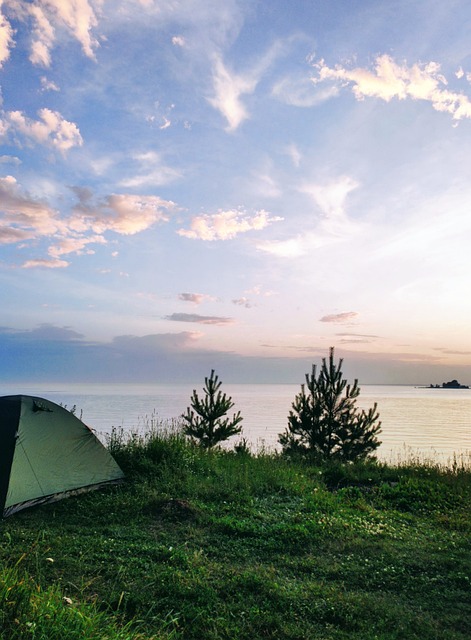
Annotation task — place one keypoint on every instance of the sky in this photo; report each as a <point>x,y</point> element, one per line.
<point>237,185</point>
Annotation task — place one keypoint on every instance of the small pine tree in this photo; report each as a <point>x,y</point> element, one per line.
<point>204,421</point>
<point>325,423</point>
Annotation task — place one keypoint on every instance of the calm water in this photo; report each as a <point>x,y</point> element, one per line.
<point>432,423</point>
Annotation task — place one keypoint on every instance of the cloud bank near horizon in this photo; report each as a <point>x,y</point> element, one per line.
<point>50,353</point>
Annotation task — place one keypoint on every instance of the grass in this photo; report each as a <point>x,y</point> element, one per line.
<point>222,545</point>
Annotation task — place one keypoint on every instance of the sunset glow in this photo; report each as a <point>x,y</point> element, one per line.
<point>234,185</point>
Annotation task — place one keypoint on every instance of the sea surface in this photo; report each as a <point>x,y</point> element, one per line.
<point>426,423</point>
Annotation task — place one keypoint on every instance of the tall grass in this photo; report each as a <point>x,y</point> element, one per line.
<point>29,611</point>
<point>225,544</point>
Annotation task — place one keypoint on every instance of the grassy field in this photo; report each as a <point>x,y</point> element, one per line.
<point>211,545</point>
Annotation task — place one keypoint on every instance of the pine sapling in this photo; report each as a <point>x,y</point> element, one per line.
<point>324,421</point>
<point>205,421</point>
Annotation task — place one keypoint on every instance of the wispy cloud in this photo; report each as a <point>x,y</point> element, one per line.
<point>389,79</point>
<point>48,85</point>
<point>294,153</point>
<point>453,352</point>
<point>229,86</point>
<point>301,92</point>
<point>153,171</point>
<point>75,245</point>
<point>228,90</point>
<point>50,332</point>
<point>292,248</point>
<point>258,290</point>
<point>194,317</point>
<point>195,298</point>
<point>266,185</point>
<point>243,302</point>
<point>331,196</point>
<point>10,160</point>
<point>45,263</point>
<point>226,225</point>
<point>168,342</point>
<point>340,318</point>
<point>10,235</point>
<point>357,335</point>
<point>332,225</point>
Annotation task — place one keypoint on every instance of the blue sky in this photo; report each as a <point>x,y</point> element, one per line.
<point>236,185</point>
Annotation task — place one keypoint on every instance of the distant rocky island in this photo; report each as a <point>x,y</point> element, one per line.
<point>453,384</point>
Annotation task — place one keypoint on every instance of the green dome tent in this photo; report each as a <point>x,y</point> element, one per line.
<point>46,454</point>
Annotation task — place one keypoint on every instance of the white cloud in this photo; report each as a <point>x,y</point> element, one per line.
<point>51,129</point>
<point>48,85</point>
<point>226,225</point>
<point>6,38</point>
<point>43,37</point>
<point>76,17</point>
<point>178,41</point>
<point>390,80</point>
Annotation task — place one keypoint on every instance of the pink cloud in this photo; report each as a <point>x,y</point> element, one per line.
<point>389,80</point>
<point>51,129</point>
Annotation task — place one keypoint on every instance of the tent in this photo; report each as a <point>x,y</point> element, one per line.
<point>47,453</point>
